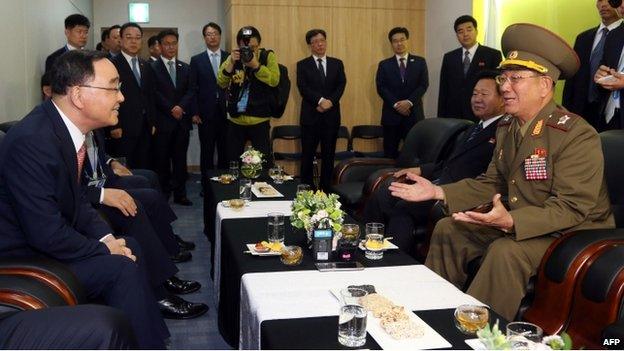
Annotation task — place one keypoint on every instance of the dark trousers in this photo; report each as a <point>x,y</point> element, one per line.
<point>170,148</point>
<point>392,136</point>
<point>156,207</point>
<point>213,134</point>
<point>311,136</point>
<point>400,217</point>
<point>123,284</point>
<point>136,150</point>
<point>84,327</point>
<point>258,134</point>
<point>151,177</point>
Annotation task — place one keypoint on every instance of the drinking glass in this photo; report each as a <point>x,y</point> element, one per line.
<point>303,187</point>
<point>374,228</point>
<point>234,169</point>
<point>277,174</point>
<point>352,318</point>
<point>244,189</point>
<point>275,227</point>
<point>470,318</point>
<point>350,232</point>
<point>523,335</point>
<point>374,246</point>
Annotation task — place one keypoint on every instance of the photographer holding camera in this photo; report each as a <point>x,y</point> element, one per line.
<point>249,74</point>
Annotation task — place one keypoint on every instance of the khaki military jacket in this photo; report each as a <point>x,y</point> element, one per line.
<point>566,192</point>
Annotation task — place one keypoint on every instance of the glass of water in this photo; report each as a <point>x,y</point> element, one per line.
<point>303,187</point>
<point>523,335</point>
<point>244,189</point>
<point>352,318</point>
<point>234,169</point>
<point>275,227</point>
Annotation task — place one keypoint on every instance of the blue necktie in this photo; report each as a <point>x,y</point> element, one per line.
<point>172,71</point>
<point>135,70</point>
<point>214,63</point>
<point>594,62</point>
<point>475,130</point>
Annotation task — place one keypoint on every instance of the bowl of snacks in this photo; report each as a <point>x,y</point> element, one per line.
<point>291,255</point>
<point>226,178</point>
<point>236,204</point>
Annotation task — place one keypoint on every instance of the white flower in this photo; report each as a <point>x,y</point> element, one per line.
<point>255,159</point>
<point>322,214</point>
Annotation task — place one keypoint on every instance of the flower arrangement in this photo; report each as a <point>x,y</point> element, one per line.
<point>493,339</point>
<point>312,210</point>
<point>251,161</point>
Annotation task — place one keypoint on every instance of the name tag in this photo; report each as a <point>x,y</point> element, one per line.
<point>98,183</point>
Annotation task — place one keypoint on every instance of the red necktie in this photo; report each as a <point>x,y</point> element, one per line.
<point>80,155</point>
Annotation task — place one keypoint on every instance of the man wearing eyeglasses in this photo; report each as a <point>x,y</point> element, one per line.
<point>131,137</point>
<point>43,209</point>
<point>548,163</point>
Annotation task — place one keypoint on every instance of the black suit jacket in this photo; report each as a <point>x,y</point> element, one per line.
<point>391,89</point>
<point>168,95</point>
<point>576,89</point>
<point>53,56</point>
<point>137,112</point>
<point>43,210</point>
<point>455,88</point>
<point>611,58</point>
<point>312,88</point>
<point>207,94</point>
<point>468,159</point>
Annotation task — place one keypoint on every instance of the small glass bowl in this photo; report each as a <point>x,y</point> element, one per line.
<point>236,204</point>
<point>291,255</point>
<point>470,318</point>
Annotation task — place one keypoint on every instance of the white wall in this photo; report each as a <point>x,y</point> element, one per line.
<point>33,29</point>
<point>188,16</point>
<point>439,39</point>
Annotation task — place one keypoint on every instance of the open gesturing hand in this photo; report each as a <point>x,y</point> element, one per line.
<point>421,190</point>
<point>498,217</point>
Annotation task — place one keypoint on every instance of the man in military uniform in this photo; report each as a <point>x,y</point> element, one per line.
<point>547,162</point>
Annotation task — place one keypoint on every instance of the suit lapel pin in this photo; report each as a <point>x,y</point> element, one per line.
<point>481,64</point>
<point>411,60</point>
<point>538,127</point>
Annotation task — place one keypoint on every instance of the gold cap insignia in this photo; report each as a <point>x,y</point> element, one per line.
<point>512,55</point>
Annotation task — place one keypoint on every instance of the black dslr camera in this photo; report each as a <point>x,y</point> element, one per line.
<point>246,52</point>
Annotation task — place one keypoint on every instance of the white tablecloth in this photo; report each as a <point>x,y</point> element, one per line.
<point>255,209</point>
<point>300,294</point>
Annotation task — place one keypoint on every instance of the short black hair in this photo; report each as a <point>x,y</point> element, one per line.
<point>45,79</point>
<point>463,19</point>
<point>128,25</point>
<point>211,25</point>
<point>99,47</point>
<point>314,32</point>
<point>487,74</point>
<point>110,29</point>
<point>105,34</point>
<point>153,40</point>
<point>254,34</point>
<point>73,68</point>
<point>76,20</point>
<point>397,30</point>
<point>166,32</point>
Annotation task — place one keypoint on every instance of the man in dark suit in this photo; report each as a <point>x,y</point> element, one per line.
<point>174,100</point>
<point>88,327</point>
<point>470,157</point>
<point>402,80</point>
<point>131,137</point>
<point>580,93</point>
<point>321,81</point>
<point>460,68</point>
<point>210,112</point>
<point>611,114</point>
<point>44,210</point>
<point>77,33</point>
<point>154,48</point>
<point>111,40</point>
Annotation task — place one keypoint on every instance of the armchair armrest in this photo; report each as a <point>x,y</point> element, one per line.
<point>358,169</point>
<point>48,272</point>
<point>25,293</point>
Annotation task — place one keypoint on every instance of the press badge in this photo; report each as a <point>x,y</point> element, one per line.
<point>535,166</point>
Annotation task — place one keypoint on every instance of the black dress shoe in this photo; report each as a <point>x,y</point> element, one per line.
<point>178,286</point>
<point>184,201</point>
<point>174,307</point>
<point>183,244</point>
<point>182,256</point>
